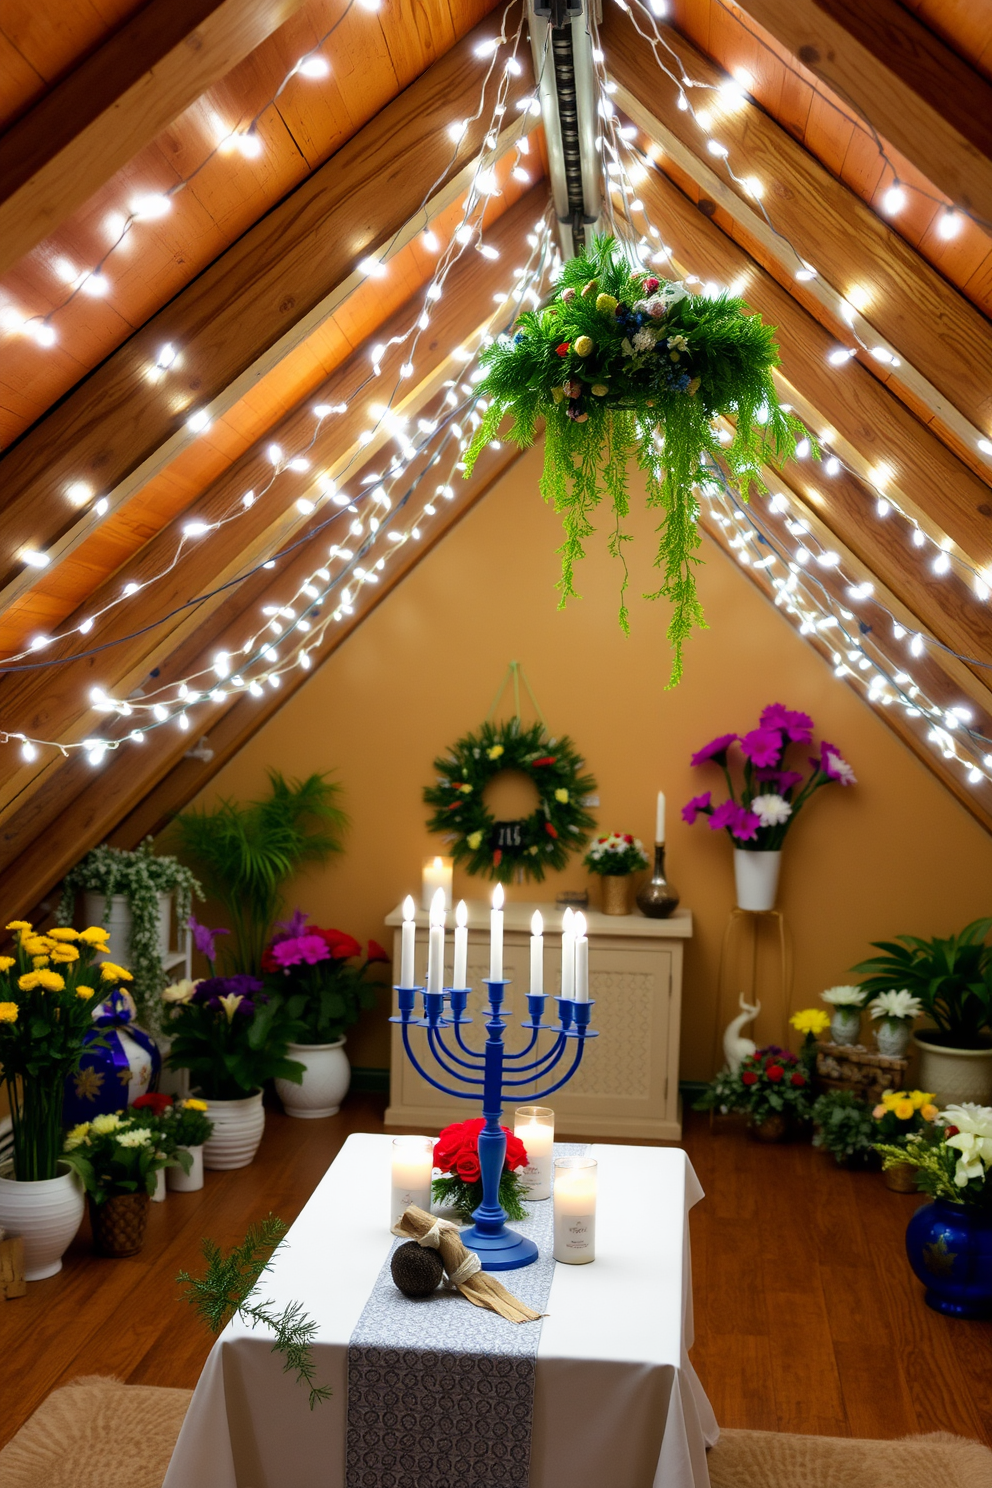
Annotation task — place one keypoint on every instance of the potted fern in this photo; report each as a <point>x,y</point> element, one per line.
<point>247,852</point>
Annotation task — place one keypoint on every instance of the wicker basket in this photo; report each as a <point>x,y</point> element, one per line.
<point>119,1224</point>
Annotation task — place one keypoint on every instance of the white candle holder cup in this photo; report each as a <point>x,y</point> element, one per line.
<point>412,1171</point>
<point>535,1127</point>
<point>575,1210</point>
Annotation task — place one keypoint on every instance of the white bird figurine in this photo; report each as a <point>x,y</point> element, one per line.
<point>735,1048</point>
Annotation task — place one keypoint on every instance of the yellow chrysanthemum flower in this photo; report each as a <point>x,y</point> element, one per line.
<point>84,992</point>
<point>903,1110</point>
<point>193,1104</point>
<point>94,935</point>
<point>8,1012</point>
<point>63,932</point>
<point>29,982</point>
<point>102,1125</point>
<point>810,1020</point>
<point>22,925</point>
<point>76,1136</point>
<point>495,752</point>
<point>6,962</point>
<point>111,973</point>
<point>64,954</point>
<point>38,962</point>
<point>51,981</point>
<point>928,1112</point>
<point>38,945</point>
<point>920,1098</point>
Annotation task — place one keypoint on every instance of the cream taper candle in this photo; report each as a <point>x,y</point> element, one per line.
<point>575,1210</point>
<point>408,942</point>
<point>581,959</point>
<point>496,936</point>
<point>459,976</point>
<point>567,954</point>
<point>536,953</point>
<point>438,873</point>
<point>435,944</point>
<point>659,820</point>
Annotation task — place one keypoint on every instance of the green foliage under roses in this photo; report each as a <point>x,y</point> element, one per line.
<point>844,1127</point>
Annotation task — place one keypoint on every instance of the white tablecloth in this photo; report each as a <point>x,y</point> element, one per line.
<point>616,1400</point>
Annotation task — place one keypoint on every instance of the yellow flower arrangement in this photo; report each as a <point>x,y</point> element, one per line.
<point>63,932</point>
<point>110,972</point>
<point>43,981</point>
<point>813,1021</point>
<point>8,1012</point>
<point>84,992</point>
<point>65,954</point>
<point>37,945</point>
<point>94,935</point>
<point>103,1124</point>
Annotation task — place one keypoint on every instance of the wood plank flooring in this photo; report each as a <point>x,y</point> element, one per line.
<point>808,1318</point>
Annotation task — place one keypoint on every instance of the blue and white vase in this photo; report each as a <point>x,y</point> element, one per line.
<point>118,1063</point>
<point>950,1249</point>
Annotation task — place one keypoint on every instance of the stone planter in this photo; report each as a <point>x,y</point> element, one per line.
<point>617,893</point>
<point>46,1215</point>
<point>176,1181</point>
<point>845,1025</point>
<point>238,1128</point>
<point>327,1075</point>
<point>901,1178</point>
<point>892,1037</point>
<point>954,1075</point>
<point>756,877</point>
<point>119,1224</point>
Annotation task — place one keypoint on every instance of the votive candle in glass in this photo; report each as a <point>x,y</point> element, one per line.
<point>535,1127</point>
<point>413,1167</point>
<point>575,1210</point>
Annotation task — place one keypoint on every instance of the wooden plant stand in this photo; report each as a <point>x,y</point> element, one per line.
<point>862,1071</point>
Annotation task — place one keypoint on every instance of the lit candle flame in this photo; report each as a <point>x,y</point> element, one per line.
<point>409,908</point>
<point>536,923</point>
<point>579,925</point>
<point>498,896</point>
<point>566,922</point>
<point>461,913</point>
<point>437,908</point>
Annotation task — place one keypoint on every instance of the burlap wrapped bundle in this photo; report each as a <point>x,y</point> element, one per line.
<point>461,1264</point>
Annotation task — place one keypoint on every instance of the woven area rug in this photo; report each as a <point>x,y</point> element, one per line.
<point>100,1433</point>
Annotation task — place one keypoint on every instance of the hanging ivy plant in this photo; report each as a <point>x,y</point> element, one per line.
<point>622,365</point>
<point>559,824</point>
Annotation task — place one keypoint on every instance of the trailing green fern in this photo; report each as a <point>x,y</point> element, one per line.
<point>228,1289</point>
<point>623,366</point>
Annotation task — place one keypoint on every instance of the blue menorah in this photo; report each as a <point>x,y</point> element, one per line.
<point>498,1248</point>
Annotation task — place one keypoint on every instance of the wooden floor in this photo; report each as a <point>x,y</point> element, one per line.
<point>808,1318</point>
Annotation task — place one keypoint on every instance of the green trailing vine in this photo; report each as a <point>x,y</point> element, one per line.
<point>625,367</point>
<point>228,1289</point>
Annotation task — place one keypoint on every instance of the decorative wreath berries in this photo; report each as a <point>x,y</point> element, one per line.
<point>558,826</point>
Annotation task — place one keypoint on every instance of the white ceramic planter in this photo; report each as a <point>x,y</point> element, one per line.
<point>756,877</point>
<point>46,1214</point>
<point>325,1083</point>
<point>954,1075</point>
<point>174,1082</point>
<point>119,923</point>
<point>179,1182</point>
<point>158,1197</point>
<point>238,1128</point>
<point>892,1036</point>
<point>845,1024</point>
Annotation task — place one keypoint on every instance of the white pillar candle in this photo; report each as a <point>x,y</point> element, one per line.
<point>535,1127</point>
<point>496,936</point>
<point>575,1210</point>
<point>536,952</point>
<point>438,873</point>
<point>435,944</point>
<point>581,959</point>
<point>567,954</point>
<point>408,943</point>
<point>659,821</point>
<point>459,977</point>
<point>413,1166</point>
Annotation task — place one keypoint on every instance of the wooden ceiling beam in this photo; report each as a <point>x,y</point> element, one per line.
<point>914,312</point>
<point>259,300</point>
<point>130,796</point>
<point>918,94</point>
<point>54,702</point>
<point>55,157</point>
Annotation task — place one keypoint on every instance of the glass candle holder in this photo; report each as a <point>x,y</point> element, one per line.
<point>438,873</point>
<point>412,1168</point>
<point>535,1127</point>
<point>575,1210</point>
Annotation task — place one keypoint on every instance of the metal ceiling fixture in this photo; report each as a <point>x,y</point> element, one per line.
<point>561,42</point>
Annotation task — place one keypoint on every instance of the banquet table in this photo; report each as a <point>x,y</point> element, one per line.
<point>616,1399</point>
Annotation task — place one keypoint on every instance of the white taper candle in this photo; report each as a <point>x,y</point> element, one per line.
<point>435,944</point>
<point>460,974</point>
<point>659,821</point>
<point>536,953</point>
<point>581,959</point>
<point>567,954</point>
<point>496,936</point>
<point>408,942</point>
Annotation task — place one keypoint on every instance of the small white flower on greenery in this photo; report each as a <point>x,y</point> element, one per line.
<point>843,996</point>
<point>643,341</point>
<point>678,343</point>
<point>973,1139</point>
<point>895,1005</point>
<point>139,1137</point>
<point>771,809</point>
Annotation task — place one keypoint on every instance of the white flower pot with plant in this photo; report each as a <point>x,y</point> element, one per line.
<point>894,1013</point>
<point>44,1016</point>
<point>846,1003</point>
<point>324,987</point>
<point>188,1127</point>
<point>952,979</point>
<point>764,804</point>
<point>614,860</point>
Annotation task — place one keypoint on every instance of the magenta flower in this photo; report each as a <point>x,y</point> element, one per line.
<point>203,938</point>
<point>763,746</point>
<point>715,750</point>
<point>834,765</point>
<point>723,815</point>
<point>783,780</point>
<point>301,948</point>
<point>796,726</point>
<point>698,804</point>
<point>745,825</point>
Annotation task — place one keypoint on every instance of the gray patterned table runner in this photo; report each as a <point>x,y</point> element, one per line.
<point>441,1392</point>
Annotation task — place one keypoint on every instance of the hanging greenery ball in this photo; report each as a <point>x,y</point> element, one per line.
<point>559,825</point>
<point>624,366</point>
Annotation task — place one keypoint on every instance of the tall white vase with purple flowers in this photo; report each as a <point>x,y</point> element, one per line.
<point>766,797</point>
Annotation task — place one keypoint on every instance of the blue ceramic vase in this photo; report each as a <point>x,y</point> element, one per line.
<point>950,1249</point>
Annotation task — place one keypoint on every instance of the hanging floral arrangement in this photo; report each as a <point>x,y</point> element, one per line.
<point>622,365</point>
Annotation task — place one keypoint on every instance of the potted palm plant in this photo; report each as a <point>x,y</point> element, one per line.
<point>952,978</point>
<point>248,851</point>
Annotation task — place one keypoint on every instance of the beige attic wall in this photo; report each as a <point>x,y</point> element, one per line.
<point>895,854</point>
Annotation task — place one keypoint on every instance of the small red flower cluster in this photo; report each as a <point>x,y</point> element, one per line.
<point>457,1150</point>
<point>155,1101</point>
<point>775,1065</point>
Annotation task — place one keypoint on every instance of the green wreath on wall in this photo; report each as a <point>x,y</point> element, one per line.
<point>559,825</point>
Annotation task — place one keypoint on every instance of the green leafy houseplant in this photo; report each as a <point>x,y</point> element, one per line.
<point>622,366</point>
<point>844,1127</point>
<point>140,876</point>
<point>119,1155</point>
<point>248,851</point>
<point>229,1288</point>
<point>230,1035</point>
<point>952,979</point>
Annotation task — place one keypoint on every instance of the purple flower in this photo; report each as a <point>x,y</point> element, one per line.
<point>745,825</point>
<point>290,929</point>
<point>783,779</point>
<point>306,948</point>
<point>698,804</point>
<point>763,746</point>
<point>715,750</point>
<point>834,765</point>
<point>797,726</point>
<point>212,989</point>
<point>203,938</point>
<point>723,815</point>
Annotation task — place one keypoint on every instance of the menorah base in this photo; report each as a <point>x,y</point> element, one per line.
<point>503,1251</point>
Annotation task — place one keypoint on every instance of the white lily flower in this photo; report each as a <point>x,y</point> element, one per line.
<point>846,996</point>
<point>230,1004</point>
<point>973,1139</point>
<point>180,992</point>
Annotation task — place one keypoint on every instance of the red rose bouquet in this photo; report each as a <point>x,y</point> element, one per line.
<point>769,1082</point>
<point>456,1154</point>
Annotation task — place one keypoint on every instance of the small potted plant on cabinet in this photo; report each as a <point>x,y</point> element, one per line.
<point>615,859</point>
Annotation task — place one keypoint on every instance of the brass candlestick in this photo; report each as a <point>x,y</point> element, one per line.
<point>657,899</point>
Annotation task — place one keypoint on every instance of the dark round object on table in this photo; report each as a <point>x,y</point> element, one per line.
<point>416,1270</point>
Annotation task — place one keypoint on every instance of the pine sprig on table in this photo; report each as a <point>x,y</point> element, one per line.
<point>227,1289</point>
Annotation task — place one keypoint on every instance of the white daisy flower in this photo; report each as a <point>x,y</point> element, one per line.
<point>773,810</point>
